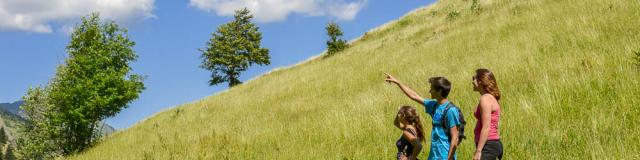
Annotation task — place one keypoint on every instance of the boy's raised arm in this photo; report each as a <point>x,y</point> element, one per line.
<point>407,91</point>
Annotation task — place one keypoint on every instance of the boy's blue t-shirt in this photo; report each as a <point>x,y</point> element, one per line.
<point>439,140</point>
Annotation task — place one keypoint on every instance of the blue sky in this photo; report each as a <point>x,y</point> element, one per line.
<point>168,33</point>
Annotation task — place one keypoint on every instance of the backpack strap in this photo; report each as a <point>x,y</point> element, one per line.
<point>443,121</point>
<point>461,119</point>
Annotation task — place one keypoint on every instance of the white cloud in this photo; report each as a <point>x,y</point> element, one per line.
<point>39,15</point>
<point>278,10</point>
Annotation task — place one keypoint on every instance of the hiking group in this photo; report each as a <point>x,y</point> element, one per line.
<point>448,122</point>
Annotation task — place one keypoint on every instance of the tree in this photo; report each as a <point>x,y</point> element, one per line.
<point>233,48</point>
<point>3,136</point>
<point>93,84</point>
<point>8,152</point>
<point>38,137</point>
<point>3,141</point>
<point>335,44</point>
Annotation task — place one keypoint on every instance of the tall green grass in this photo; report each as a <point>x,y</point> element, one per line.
<point>570,89</point>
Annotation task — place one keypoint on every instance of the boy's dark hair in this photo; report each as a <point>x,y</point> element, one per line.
<point>441,85</point>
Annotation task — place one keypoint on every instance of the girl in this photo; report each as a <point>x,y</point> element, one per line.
<point>409,145</point>
<point>487,137</point>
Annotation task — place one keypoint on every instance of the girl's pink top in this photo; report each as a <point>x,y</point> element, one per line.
<point>493,127</point>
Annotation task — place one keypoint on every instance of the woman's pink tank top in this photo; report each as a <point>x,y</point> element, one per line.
<point>493,127</point>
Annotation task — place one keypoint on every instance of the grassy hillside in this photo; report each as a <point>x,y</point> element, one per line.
<point>570,90</point>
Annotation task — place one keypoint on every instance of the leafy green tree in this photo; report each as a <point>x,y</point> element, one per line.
<point>335,44</point>
<point>38,137</point>
<point>93,84</point>
<point>233,48</point>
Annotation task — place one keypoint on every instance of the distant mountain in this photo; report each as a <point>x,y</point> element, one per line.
<point>12,107</point>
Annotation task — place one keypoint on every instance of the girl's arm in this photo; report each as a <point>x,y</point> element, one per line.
<point>485,118</point>
<point>414,141</point>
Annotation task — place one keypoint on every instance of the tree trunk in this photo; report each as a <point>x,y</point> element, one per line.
<point>233,79</point>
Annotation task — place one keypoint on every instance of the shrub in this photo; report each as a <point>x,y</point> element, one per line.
<point>453,15</point>
<point>475,6</point>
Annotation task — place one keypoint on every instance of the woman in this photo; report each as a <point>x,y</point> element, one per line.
<point>487,137</point>
<point>409,145</point>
